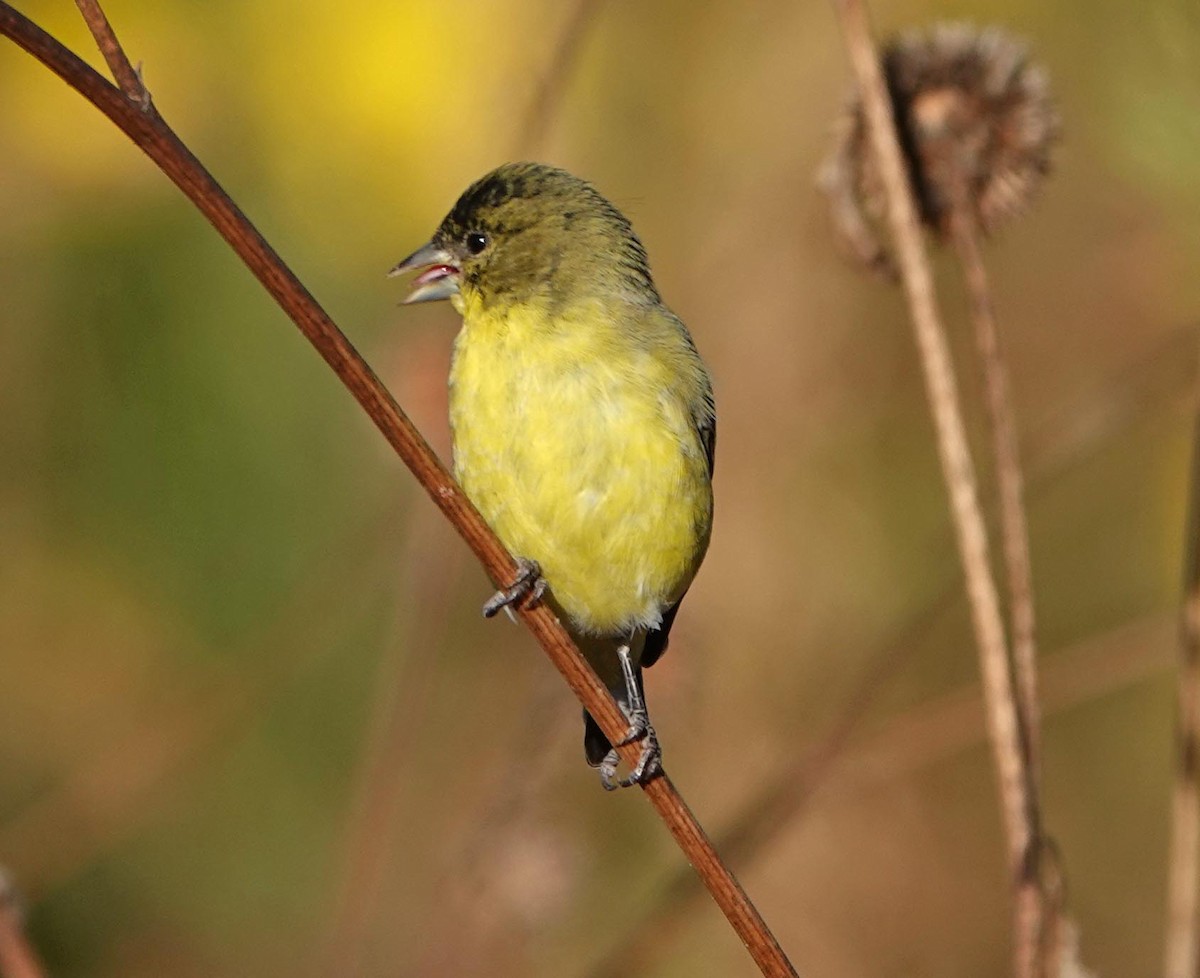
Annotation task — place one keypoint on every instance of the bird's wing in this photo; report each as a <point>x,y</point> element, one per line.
<point>708,438</point>
<point>656,640</point>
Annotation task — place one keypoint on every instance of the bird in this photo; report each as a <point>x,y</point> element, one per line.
<point>583,422</point>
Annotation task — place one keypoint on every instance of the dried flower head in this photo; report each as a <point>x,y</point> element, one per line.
<point>976,125</point>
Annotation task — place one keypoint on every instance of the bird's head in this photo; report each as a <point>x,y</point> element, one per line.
<point>530,233</point>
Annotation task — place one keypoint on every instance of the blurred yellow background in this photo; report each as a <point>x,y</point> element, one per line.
<point>252,722</point>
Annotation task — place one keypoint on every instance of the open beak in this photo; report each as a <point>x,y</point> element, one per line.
<point>439,276</point>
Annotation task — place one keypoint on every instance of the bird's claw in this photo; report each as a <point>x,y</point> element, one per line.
<point>649,762</point>
<point>525,591</point>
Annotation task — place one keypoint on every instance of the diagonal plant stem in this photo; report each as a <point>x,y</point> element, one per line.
<point>1182,952</point>
<point>787,792</point>
<point>1009,742</point>
<point>1097,666</point>
<point>406,677</point>
<point>1014,530</point>
<point>963,230</point>
<point>547,100</point>
<point>156,139</point>
<point>128,78</point>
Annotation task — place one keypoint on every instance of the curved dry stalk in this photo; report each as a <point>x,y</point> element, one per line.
<point>1014,529</point>
<point>1014,534</point>
<point>787,793</point>
<point>150,133</point>
<point>406,673</point>
<point>1182,951</point>
<point>547,100</point>
<point>1017,789</point>
<point>128,77</point>
<point>916,739</point>
<point>474,908</point>
<point>1088,670</point>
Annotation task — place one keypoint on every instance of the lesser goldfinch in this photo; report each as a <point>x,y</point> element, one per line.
<point>583,420</point>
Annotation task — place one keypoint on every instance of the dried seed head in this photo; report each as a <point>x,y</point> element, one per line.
<point>976,125</point>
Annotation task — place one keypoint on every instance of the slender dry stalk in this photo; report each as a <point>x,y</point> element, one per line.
<point>1165,379</point>
<point>977,128</point>
<point>1014,530</point>
<point>1182,952</point>
<point>1089,670</point>
<point>146,128</point>
<point>1017,788</point>
<point>979,125</point>
<point>934,732</point>
<point>128,78</point>
<point>478,908</point>
<point>406,674</point>
<point>533,131</point>
<point>1014,535</point>
<point>1070,433</point>
<point>18,959</point>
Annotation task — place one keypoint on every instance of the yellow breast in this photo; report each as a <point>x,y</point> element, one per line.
<point>577,441</point>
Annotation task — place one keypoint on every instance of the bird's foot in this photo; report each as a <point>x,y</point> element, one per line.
<point>649,762</point>
<point>525,591</point>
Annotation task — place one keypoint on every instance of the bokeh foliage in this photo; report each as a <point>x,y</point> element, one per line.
<point>251,722</point>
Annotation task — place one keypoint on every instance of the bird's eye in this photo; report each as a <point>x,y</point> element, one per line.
<point>476,242</point>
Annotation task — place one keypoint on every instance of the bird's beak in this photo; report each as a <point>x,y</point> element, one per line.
<point>439,280</point>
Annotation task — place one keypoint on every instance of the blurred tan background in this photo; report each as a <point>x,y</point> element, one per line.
<point>251,721</point>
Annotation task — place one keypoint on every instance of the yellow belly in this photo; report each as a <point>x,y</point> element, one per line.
<point>582,454</point>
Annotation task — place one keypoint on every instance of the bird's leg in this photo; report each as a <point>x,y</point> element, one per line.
<point>649,763</point>
<point>525,591</point>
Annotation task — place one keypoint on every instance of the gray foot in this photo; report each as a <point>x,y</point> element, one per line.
<point>649,762</point>
<point>524,592</point>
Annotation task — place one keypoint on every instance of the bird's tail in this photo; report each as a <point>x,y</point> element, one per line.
<point>595,744</point>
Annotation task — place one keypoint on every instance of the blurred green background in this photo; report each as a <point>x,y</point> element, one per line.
<point>251,720</point>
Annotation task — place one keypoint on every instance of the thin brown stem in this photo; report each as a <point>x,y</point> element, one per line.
<point>1014,530</point>
<point>128,77</point>
<point>1096,667</point>
<point>786,794</point>
<point>547,100</point>
<point>1089,670</point>
<point>18,959</point>
<point>406,674</point>
<point>158,141</point>
<point>1016,788</point>
<point>1014,535</point>
<point>473,912</point>
<point>1182,952</point>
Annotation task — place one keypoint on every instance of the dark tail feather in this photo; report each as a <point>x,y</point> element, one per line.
<point>595,744</point>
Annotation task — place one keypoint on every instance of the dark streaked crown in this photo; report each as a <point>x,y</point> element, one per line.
<point>543,221</point>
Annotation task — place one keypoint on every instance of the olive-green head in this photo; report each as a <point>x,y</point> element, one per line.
<point>531,233</point>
